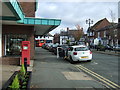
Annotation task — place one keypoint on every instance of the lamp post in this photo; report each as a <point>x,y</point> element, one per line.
<point>62,34</point>
<point>89,22</point>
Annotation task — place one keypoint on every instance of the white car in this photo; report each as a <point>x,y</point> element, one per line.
<point>79,53</point>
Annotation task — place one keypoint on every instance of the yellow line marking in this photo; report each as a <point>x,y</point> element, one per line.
<point>97,76</point>
<point>102,77</point>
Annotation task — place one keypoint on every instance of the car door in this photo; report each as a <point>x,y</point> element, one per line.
<point>70,51</point>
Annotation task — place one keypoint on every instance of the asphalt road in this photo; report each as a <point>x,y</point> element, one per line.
<point>104,65</point>
<point>50,72</point>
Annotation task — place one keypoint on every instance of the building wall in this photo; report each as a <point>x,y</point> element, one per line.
<point>56,38</point>
<point>102,34</point>
<point>0,40</point>
<point>19,29</point>
<point>104,23</point>
<point>28,8</point>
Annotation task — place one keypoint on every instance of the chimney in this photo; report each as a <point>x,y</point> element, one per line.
<point>67,28</point>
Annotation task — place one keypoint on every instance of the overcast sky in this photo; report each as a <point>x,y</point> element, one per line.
<point>72,13</point>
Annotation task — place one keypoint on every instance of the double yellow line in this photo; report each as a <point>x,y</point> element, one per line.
<point>101,78</point>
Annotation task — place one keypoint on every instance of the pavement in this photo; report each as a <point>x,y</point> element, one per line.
<point>108,52</point>
<point>7,70</point>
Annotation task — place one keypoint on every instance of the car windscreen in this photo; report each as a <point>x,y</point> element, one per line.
<point>55,45</point>
<point>81,49</point>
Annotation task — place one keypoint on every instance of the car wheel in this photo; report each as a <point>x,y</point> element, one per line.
<point>71,60</point>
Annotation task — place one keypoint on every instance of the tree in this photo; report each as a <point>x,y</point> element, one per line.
<point>78,33</point>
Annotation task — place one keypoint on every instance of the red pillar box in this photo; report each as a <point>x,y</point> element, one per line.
<point>26,52</point>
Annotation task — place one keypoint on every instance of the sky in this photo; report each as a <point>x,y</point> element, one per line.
<point>74,12</point>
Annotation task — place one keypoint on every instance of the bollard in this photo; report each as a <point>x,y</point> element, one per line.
<point>25,64</point>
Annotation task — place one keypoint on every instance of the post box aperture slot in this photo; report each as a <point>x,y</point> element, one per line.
<point>25,47</point>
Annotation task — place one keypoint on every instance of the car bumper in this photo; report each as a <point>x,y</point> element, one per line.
<point>82,59</point>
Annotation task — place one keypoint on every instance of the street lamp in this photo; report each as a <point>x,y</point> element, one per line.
<point>89,21</point>
<point>62,34</point>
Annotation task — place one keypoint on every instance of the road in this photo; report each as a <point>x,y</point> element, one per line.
<point>104,65</point>
<point>50,72</point>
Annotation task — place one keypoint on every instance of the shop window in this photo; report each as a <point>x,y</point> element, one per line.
<point>13,43</point>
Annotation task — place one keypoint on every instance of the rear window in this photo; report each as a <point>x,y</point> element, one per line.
<point>81,49</point>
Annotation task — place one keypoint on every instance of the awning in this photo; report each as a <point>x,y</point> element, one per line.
<point>42,26</point>
<point>12,11</point>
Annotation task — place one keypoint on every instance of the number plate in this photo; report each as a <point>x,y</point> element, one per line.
<point>84,57</point>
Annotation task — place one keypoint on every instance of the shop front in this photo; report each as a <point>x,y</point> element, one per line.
<point>17,28</point>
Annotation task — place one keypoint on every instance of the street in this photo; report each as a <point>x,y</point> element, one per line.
<point>105,65</point>
<point>50,72</point>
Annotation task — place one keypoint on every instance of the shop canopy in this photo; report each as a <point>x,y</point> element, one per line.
<point>12,14</point>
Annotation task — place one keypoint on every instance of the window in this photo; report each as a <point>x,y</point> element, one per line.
<point>90,33</point>
<point>70,48</point>
<point>93,33</point>
<point>115,32</point>
<point>13,43</point>
<point>81,49</point>
<point>104,33</point>
<point>98,34</point>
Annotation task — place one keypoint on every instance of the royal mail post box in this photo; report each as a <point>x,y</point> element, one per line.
<point>26,52</point>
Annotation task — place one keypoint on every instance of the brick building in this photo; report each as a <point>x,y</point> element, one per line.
<point>108,34</point>
<point>19,24</point>
<point>56,38</point>
<point>105,31</point>
<point>92,34</point>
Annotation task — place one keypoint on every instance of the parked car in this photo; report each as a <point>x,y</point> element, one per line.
<point>100,48</point>
<point>63,50</point>
<point>48,46</point>
<point>79,53</point>
<point>45,45</point>
<point>53,47</point>
<point>117,48</point>
<point>108,47</point>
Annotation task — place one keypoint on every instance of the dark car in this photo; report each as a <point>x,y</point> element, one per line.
<point>108,47</point>
<point>48,46</point>
<point>63,50</point>
<point>53,47</point>
<point>117,48</point>
<point>43,46</point>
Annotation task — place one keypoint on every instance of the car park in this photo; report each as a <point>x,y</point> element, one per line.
<point>79,53</point>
